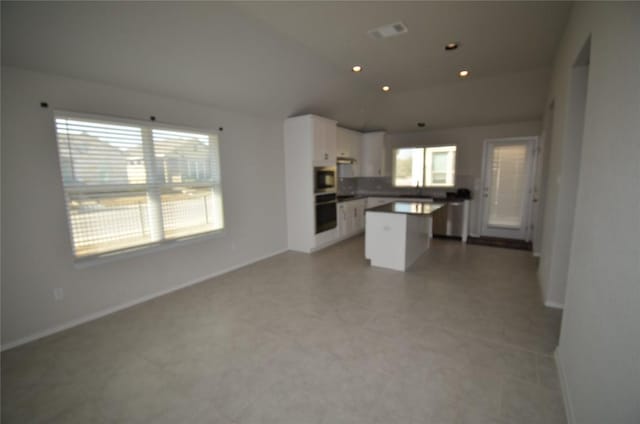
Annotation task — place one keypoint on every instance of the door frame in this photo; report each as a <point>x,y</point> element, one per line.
<point>531,174</point>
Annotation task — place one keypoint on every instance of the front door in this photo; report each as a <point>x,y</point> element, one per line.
<point>507,180</point>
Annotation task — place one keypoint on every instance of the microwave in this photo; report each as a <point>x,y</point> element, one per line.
<point>324,179</point>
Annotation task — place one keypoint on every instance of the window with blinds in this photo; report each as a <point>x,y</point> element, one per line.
<point>425,166</point>
<point>507,192</point>
<point>440,166</point>
<point>130,185</point>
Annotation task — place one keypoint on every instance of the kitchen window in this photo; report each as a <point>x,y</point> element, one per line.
<point>131,185</point>
<point>424,166</point>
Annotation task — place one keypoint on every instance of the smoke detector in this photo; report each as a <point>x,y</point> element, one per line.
<point>389,30</point>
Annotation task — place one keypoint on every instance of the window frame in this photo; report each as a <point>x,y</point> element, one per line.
<point>424,171</point>
<point>393,165</point>
<point>452,166</point>
<point>154,246</point>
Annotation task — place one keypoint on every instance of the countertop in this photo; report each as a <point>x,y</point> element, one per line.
<point>350,198</point>
<point>399,196</point>
<point>408,208</point>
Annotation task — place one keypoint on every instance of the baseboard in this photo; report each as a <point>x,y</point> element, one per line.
<point>564,388</point>
<point>109,311</point>
<point>550,304</point>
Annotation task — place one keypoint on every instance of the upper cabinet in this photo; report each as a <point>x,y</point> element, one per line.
<point>324,141</point>
<point>349,144</point>
<point>373,162</point>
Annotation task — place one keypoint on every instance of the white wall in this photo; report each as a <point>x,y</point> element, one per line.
<point>562,189</point>
<point>36,250</point>
<point>469,152</point>
<point>599,350</point>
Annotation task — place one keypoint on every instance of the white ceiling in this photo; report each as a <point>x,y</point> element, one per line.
<point>282,59</point>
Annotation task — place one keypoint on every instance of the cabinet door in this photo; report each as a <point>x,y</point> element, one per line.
<point>357,217</point>
<point>348,220</point>
<point>370,160</point>
<point>343,142</point>
<point>342,221</point>
<point>330,142</point>
<point>362,204</point>
<point>324,142</point>
<point>319,140</point>
<point>354,218</point>
<point>356,153</point>
<point>373,163</point>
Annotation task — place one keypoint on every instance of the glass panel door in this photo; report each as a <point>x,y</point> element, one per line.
<point>507,190</point>
<point>506,193</point>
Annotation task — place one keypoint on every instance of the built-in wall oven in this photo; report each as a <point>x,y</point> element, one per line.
<point>324,179</point>
<point>326,213</point>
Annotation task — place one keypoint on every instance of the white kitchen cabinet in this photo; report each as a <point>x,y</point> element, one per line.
<point>324,141</point>
<point>309,141</point>
<point>342,219</point>
<point>352,211</point>
<point>360,206</point>
<point>351,218</point>
<point>343,142</point>
<point>351,221</point>
<point>373,163</point>
<point>349,145</point>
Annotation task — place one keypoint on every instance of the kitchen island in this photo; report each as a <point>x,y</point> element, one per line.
<point>398,233</point>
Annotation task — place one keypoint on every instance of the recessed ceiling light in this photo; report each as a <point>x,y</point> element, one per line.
<point>464,73</point>
<point>356,68</point>
<point>451,46</point>
<point>386,88</point>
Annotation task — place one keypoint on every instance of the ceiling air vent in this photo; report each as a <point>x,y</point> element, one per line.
<point>389,30</point>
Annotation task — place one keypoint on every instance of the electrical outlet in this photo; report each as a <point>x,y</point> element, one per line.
<point>58,293</point>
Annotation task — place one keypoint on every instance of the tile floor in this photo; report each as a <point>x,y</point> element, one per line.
<point>310,339</point>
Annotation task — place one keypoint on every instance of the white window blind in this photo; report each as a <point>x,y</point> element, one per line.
<point>409,167</point>
<point>425,166</point>
<point>507,193</point>
<point>440,166</point>
<point>133,184</point>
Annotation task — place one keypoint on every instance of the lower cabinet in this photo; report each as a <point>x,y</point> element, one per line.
<point>342,219</point>
<point>351,217</point>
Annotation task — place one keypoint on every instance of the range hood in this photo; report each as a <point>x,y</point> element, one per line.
<point>345,160</point>
<point>345,169</point>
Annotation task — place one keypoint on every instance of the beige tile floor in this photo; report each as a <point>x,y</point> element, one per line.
<point>324,338</point>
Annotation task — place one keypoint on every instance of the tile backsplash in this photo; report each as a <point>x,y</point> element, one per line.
<point>384,186</point>
<point>347,186</point>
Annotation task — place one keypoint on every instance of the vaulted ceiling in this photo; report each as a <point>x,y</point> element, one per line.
<point>278,59</point>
